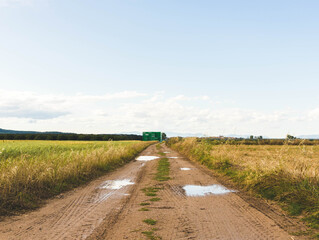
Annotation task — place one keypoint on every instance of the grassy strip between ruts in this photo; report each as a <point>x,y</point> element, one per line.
<point>34,170</point>
<point>161,175</point>
<point>286,174</point>
<point>162,170</point>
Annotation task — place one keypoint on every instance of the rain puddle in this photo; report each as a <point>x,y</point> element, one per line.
<point>172,157</point>
<point>185,169</point>
<point>199,191</point>
<point>116,184</point>
<point>146,158</point>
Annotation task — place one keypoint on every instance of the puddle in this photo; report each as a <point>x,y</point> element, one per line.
<point>199,191</point>
<point>172,157</point>
<point>185,169</point>
<point>146,158</point>
<point>116,184</point>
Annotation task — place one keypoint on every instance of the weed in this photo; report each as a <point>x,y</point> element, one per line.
<point>150,194</point>
<point>150,235</point>
<point>145,204</point>
<point>162,170</point>
<point>150,191</point>
<point>144,209</point>
<point>150,221</point>
<point>155,199</point>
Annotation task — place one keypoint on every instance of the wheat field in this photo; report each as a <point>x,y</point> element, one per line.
<point>35,170</point>
<point>287,174</point>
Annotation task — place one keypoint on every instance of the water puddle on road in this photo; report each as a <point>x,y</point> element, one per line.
<point>185,169</point>
<point>200,191</point>
<point>116,184</point>
<point>172,157</point>
<point>146,158</point>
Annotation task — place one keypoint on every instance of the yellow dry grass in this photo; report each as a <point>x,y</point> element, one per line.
<point>33,170</point>
<point>299,161</point>
<point>284,173</point>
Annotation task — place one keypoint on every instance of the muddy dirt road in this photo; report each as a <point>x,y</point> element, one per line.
<point>108,209</point>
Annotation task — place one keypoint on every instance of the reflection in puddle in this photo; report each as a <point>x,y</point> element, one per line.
<point>146,158</point>
<point>185,169</point>
<point>172,157</point>
<point>195,190</point>
<point>116,184</point>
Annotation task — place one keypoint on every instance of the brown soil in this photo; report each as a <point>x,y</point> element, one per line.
<point>93,213</point>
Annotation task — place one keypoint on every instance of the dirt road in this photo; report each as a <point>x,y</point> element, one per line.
<point>110,210</point>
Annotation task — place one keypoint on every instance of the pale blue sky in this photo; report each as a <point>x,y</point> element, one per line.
<point>256,59</point>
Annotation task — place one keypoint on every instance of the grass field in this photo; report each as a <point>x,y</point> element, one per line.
<point>34,170</point>
<point>287,174</point>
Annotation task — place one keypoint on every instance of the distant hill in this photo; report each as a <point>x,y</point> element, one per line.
<point>6,131</point>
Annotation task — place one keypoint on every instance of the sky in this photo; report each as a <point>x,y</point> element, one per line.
<point>179,66</point>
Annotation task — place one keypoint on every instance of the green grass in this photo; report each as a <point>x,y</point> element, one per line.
<point>150,191</point>
<point>149,194</point>
<point>34,170</point>
<point>161,153</point>
<point>155,199</point>
<point>158,146</point>
<point>145,204</point>
<point>150,235</point>
<point>162,170</point>
<point>143,209</point>
<point>150,221</point>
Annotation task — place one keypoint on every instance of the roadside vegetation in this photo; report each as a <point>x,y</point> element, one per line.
<point>162,170</point>
<point>162,174</point>
<point>34,170</point>
<point>288,173</point>
<point>253,140</point>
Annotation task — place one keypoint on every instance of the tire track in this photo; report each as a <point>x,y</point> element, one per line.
<point>222,217</point>
<point>182,217</point>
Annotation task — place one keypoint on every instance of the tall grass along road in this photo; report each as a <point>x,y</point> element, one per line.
<point>35,170</point>
<point>286,174</point>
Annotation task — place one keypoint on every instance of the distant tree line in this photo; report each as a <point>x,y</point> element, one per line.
<point>260,141</point>
<point>74,137</point>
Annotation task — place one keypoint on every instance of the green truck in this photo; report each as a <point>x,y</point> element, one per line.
<point>152,136</point>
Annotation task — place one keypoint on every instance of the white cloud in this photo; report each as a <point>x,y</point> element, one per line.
<point>130,111</point>
<point>314,114</point>
<point>36,106</point>
<point>119,95</point>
